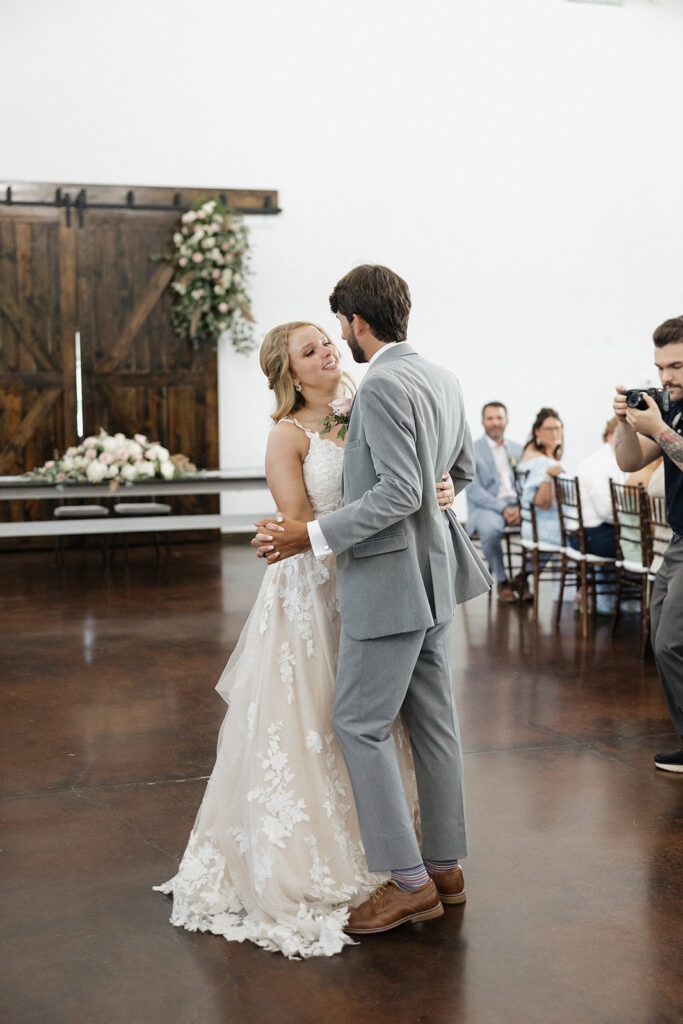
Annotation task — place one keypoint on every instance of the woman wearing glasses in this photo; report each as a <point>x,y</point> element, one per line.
<point>540,462</point>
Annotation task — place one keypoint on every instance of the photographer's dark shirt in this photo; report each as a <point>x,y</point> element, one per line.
<point>673,475</point>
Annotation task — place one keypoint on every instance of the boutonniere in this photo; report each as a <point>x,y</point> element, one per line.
<point>513,461</point>
<point>339,417</point>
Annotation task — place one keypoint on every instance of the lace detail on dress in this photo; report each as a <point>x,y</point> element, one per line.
<point>287,662</point>
<point>322,475</point>
<point>292,585</point>
<point>283,810</point>
<point>275,854</point>
<point>322,471</point>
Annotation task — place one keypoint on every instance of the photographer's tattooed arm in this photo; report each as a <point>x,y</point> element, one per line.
<point>671,444</point>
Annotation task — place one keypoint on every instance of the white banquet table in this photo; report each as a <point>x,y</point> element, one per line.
<point>21,488</point>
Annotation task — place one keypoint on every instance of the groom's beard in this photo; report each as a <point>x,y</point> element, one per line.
<point>356,351</point>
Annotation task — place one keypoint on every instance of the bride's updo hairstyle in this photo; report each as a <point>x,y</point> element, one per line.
<point>274,360</point>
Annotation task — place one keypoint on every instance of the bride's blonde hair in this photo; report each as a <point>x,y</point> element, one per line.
<point>274,360</point>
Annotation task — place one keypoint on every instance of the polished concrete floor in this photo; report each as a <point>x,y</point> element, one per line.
<point>109,721</point>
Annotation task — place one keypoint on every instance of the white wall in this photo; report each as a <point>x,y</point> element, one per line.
<point>519,163</point>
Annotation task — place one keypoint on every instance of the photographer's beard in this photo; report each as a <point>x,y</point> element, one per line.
<point>675,390</point>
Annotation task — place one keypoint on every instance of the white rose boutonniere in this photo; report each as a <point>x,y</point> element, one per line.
<point>340,415</point>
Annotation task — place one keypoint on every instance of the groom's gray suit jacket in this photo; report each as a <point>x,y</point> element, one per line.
<point>402,562</point>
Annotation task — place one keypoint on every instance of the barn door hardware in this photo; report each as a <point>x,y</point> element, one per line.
<point>176,202</point>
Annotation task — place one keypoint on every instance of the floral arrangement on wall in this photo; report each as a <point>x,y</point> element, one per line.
<point>113,458</point>
<point>210,258</point>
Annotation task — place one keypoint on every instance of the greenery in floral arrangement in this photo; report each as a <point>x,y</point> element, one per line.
<point>211,255</point>
<point>115,459</point>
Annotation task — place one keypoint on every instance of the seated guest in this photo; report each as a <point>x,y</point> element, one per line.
<point>491,497</point>
<point>540,462</point>
<point>594,474</point>
<point>651,477</point>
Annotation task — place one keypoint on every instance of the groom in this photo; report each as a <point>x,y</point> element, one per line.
<point>402,566</point>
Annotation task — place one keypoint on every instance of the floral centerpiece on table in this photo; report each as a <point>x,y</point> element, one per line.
<point>114,458</point>
<point>211,264</point>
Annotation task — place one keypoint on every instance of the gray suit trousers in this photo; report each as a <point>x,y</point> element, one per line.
<point>377,679</point>
<point>666,616</point>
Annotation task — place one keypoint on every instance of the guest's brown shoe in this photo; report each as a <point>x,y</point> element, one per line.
<point>506,594</point>
<point>389,906</point>
<point>521,588</point>
<point>450,885</point>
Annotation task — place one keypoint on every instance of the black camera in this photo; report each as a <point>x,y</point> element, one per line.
<point>635,400</point>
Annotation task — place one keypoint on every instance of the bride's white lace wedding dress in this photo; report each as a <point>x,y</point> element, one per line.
<point>275,854</point>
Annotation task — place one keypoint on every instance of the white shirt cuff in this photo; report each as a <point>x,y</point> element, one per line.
<point>319,545</point>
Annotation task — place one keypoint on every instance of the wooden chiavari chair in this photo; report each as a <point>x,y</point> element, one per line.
<point>577,563</point>
<point>539,558</point>
<point>643,534</point>
<point>633,533</point>
<point>661,531</point>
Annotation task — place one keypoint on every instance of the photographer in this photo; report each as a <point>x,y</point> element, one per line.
<point>642,435</point>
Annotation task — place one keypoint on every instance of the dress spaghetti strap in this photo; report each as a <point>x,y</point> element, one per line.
<point>309,433</point>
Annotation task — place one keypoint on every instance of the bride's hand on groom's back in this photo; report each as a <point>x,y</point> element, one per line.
<point>445,491</point>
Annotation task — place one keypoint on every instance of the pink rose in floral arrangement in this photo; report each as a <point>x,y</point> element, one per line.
<point>61,477</point>
<point>341,406</point>
<point>182,262</point>
<point>197,258</point>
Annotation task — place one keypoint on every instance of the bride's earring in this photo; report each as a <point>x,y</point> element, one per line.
<point>297,386</point>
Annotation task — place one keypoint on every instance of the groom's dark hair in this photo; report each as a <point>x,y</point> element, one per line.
<point>379,296</point>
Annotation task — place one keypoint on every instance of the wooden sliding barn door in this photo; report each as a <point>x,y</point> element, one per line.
<point>138,376</point>
<point>37,327</point>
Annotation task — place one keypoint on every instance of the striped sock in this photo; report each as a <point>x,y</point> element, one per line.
<point>410,878</point>
<point>435,866</point>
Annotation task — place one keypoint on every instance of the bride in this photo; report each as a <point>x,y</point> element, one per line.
<point>275,854</point>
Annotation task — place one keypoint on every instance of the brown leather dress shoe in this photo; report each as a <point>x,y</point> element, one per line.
<point>506,594</point>
<point>389,906</point>
<point>450,885</point>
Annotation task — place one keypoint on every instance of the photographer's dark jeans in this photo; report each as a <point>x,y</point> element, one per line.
<point>666,616</point>
<point>601,541</point>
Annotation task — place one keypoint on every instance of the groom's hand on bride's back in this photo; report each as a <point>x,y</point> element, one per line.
<point>280,537</point>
